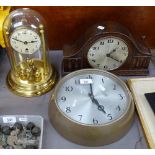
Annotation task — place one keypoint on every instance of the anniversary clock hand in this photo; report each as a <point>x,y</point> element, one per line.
<point>31,41</point>
<point>18,40</point>
<point>26,42</point>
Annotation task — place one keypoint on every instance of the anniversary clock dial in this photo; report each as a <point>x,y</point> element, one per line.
<point>91,107</point>
<point>25,41</point>
<point>108,53</point>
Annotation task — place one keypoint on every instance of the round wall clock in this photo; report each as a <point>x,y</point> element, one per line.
<point>108,46</point>
<point>91,107</point>
<point>25,36</point>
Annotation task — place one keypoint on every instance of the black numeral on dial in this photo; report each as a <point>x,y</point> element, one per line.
<point>114,88</point>
<point>69,88</point>
<point>80,117</point>
<point>93,60</point>
<point>101,43</point>
<point>96,48</point>
<point>118,108</point>
<point>89,77</point>
<point>109,116</point>
<point>110,41</point>
<point>68,109</point>
<point>95,122</point>
<point>121,97</point>
<point>123,48</point>
<point>91,54</point>
<point>63,98</point>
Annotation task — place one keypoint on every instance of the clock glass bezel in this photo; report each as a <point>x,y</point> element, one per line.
<point>99,72</point>
<point>107,38</point>
<point>94,39</point>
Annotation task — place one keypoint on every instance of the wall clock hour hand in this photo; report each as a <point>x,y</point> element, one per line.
<point>100,107</point>
<point>91,90</point>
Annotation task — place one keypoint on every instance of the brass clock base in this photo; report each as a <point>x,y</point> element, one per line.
<point>30,90</point>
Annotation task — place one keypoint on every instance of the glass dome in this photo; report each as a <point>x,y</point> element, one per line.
<point>25,37</point>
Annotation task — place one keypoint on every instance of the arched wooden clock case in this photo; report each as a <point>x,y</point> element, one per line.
<point>136,63</point>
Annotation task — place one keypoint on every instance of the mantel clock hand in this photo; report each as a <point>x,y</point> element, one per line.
<point>114,58</point>
<point>114,50</point>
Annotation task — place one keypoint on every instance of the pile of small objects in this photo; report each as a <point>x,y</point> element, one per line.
<point>19,136</point>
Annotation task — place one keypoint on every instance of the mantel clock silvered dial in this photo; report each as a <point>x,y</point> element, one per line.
<point>108,53</point>
<point>25,37</point>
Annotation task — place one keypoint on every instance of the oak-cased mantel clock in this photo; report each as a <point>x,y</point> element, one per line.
<point>108,46</point>
<point>31,73</point>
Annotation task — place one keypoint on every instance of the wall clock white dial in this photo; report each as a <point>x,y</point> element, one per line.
<point>25,41</point>
<point>108,53</point>
<point>104,99</point>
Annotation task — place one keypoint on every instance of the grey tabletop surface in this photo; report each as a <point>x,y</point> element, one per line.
<point>11,104</point>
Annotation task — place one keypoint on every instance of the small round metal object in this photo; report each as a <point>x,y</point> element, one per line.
<point>6,130</point>
<point>30,126</point>
<point>18,125</point>
<point>36,131</point>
